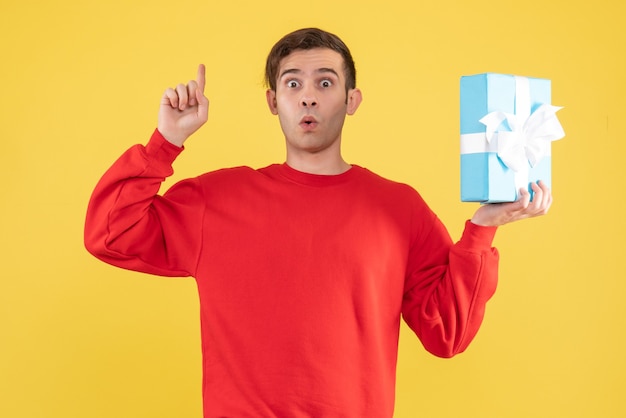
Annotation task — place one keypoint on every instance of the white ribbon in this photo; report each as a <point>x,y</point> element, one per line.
<point>530,136</point>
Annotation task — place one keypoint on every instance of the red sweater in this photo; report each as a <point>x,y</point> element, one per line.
<point>302,278</point>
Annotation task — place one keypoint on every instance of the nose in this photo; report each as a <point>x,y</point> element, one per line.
<point>308,98</point>
<point>309,102</point>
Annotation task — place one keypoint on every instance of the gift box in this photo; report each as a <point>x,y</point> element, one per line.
<point>507,127</point>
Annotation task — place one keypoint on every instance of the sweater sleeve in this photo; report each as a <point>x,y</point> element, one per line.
<point>449,285</point>
<point>130,226</point>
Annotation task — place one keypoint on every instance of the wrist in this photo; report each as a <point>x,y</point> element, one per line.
<point>158,143</point>
<point>482,222</point>
<point>173,139</point>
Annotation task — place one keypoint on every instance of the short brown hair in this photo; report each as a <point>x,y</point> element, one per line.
<point>304,39</point>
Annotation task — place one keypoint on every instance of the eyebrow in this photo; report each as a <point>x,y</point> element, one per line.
<point>322,70</point>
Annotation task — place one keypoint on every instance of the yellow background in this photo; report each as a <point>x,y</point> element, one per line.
<point>81,82</point>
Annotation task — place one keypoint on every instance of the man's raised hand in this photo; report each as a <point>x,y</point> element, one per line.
<point>183,109</point>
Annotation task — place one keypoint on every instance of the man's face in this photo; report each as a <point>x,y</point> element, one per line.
<point>311,101</point>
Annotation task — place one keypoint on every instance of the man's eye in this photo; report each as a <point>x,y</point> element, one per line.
<point>292,84</point>
<point>326,83</point>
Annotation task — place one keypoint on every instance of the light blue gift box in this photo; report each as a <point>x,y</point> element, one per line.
<point>484,176</point>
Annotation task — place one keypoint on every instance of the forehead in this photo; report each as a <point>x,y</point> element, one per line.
<point>311,60</point>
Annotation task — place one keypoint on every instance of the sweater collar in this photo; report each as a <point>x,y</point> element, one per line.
<point>319,180</point>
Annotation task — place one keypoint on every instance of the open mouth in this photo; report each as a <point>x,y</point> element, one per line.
<point>308,122</point>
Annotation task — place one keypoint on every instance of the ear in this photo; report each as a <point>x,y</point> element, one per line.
<point>354,100</point>
<point>270,95</point>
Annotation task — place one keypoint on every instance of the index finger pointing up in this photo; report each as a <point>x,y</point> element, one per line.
<point>201,77</point>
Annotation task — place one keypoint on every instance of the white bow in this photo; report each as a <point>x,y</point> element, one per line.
<point>530,136</point>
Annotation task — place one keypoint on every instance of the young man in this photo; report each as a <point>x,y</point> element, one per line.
<point>305,268</point>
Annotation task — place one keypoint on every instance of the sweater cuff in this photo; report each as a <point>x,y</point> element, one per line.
<point>476,236</point>
<point>161,149</point>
